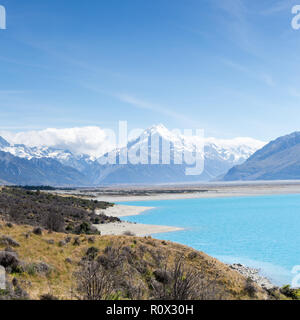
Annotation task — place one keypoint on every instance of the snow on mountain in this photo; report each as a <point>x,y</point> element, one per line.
<point>234,150</point>
<point>65,157</point>
<point>219,156</point>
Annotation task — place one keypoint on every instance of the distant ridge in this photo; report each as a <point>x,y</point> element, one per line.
<point>278,160</point>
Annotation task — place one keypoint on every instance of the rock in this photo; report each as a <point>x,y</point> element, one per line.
<point>254,275</point>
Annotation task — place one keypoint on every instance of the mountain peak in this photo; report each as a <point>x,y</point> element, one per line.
<point>158,128</point>
<point>3,143</point>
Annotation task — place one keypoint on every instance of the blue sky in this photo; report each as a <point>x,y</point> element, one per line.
<point>230,67</point>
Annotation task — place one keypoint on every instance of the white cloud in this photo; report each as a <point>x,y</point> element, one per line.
<point>85,140</point>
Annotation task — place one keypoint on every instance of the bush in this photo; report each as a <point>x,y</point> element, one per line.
<point>128,233</point>
<point>250,287</point>
<point>76,241</point>
<point>94,282</point>
<point>182,283</point>
<point>192,255</point>
<point>55,222</point>
<point>62,243</point>
<point>48,296</point>
<point>92,253</point>
<point>290,292</point>
<point>40,268</point>
<point>10,261</point>
<point>38,231</point>
<point>8,241</point>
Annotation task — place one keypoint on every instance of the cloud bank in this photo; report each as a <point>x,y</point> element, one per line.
<point>93,141</point>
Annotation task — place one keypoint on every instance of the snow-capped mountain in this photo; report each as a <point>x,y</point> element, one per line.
<point>65,157</point>
<point>219,156</point>
<point>156,156</point>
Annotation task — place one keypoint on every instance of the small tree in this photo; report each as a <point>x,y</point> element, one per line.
<point>93,282</point>
<point>54,222</point>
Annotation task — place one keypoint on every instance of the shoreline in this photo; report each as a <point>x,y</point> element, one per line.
<point>142,230</point>
<point>120,211</point>
<point>137,229</point>
<point>254,275</point>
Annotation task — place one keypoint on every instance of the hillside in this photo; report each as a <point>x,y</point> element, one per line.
<point>278,160</point>
<point>55,213</point>
<point>38,171</point>
<point>47,263</point>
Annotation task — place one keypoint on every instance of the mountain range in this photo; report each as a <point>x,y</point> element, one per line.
<point>21,164</point>
<point>278,160</point>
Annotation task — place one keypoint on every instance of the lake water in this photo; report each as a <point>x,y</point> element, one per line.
<point>261,232</point>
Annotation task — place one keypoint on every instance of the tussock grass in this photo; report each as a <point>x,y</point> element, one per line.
<point>148,253</point>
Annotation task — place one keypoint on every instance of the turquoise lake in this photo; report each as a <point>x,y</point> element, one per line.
<point>261,232</point>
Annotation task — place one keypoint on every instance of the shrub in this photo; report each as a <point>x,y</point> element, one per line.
<point>192,255</point>
<point>182,283</point>
<point>68,239</point>
<point>76,241</point>
<point>10,261</point>
<point>54,222</point>
<point>91,239</point>
<point>40,268</point>
<point>48,296</point>
<point>8,241</point>
<point>62,243</point>
<point>92,253</point>
<point>290,292</point>
<point>93,282</point>
<point>250,287</point>
<point>128,233</point>
<point>38,231</point>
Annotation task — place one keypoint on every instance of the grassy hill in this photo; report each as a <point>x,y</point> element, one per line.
<point>48,264</point>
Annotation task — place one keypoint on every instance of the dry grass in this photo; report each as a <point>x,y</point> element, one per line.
<point>60,282</point>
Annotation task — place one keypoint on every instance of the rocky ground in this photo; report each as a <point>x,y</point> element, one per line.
<point>254,275</point>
